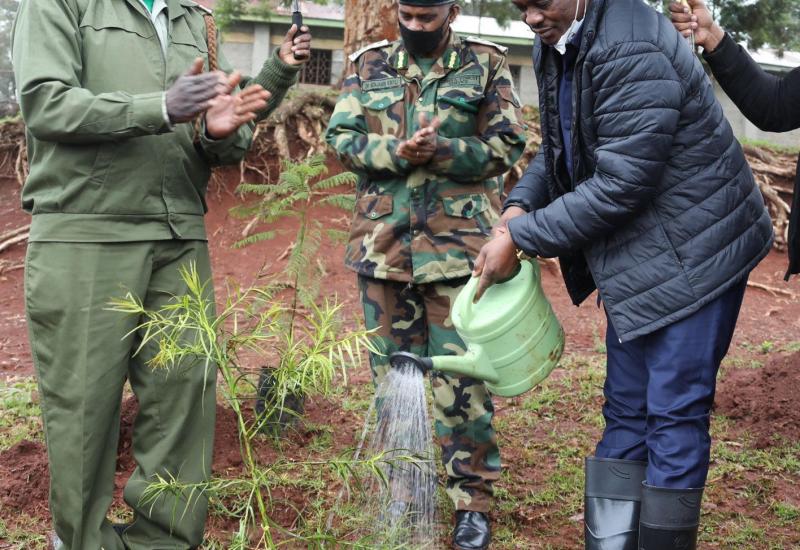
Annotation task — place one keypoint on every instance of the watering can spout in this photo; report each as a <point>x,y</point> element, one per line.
<point>402,359</point>
<point>474,364</point>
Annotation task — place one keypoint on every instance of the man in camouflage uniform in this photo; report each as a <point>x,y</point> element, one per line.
<point>430,122</point>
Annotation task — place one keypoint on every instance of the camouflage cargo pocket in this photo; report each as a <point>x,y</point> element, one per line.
<point>462,215</point>
<point>458,109</point>
<point>384,110</point>
<point>374,207</point>
<point>465,206</point>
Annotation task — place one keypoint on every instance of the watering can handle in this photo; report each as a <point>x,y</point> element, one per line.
<point>471,289</point>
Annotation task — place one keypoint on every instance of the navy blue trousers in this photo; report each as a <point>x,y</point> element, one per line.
<point>659,391</point>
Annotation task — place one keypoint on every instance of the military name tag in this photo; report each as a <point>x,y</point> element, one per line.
<point>381,84</point>
<point>462,81</point>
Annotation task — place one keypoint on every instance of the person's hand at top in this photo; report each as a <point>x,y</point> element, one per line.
<point>695,18</point>
<point>296,46</point>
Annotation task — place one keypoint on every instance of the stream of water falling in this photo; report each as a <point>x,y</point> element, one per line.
<point>405,505</point>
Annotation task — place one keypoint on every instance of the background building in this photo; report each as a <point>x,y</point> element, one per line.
<point>250,41</point>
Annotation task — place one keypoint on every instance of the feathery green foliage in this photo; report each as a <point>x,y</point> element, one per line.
<point>297,193</point>
<point>300,188</point>
<point>188,334</point>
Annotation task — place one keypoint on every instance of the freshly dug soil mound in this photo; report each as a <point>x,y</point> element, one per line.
<point>24,480</point>
<point>763,402</point>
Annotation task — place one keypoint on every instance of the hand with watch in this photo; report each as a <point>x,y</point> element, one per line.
<point>499,258</point>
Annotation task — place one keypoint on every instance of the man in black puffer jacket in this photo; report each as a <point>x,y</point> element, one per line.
<point>642,192</point>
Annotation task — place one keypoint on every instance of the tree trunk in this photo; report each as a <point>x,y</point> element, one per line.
<point>367,21</point>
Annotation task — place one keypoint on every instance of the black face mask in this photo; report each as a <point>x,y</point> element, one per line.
<point>422,43</point>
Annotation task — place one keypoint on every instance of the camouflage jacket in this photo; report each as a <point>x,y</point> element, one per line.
<point>425,224</point>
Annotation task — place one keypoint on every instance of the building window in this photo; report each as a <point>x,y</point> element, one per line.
<point>318,68</point>
<point>516,75</point>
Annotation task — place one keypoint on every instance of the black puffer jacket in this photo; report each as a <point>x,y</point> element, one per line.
<point>664,214</point>
<point>772,103</point>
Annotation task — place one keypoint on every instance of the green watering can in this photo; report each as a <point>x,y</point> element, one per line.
<point>513,338</point>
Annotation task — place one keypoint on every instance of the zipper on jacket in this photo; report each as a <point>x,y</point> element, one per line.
<point>161,47</point>
<point>576,89</point>
<point>162,51</point>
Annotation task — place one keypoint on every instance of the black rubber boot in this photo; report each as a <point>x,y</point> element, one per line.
<point>612,502</point>
<point>472,531</point>
<point>670,518</point>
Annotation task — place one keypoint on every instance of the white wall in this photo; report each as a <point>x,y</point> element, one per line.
<point>528,90</point>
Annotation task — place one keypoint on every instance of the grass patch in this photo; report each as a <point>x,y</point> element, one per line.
<point>539,497</point>
<point>738,363</point>
<point>25,535</point>
<point>20,415</point>
<point>764,144</point>
<point>785,512</point>
<point>774,460</point>
<point>791,347</point>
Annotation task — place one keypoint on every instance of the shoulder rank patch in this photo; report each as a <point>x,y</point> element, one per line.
<point>476,40</point>
<point>402,60</point>
<point>375,45</point>
<point>191,4</point>
<point>452,60</point>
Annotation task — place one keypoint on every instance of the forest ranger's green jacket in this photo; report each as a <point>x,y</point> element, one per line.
<point>105,165</point>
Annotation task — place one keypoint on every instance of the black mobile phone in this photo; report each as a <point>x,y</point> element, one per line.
<point>297,19</point>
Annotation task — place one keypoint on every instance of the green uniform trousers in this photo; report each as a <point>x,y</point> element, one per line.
<point>83,353</point>
<point>416,318</point>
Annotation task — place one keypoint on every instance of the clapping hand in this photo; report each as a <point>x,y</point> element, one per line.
<point>192,92</point>
<point>228,112</point>
<point>421,147</point>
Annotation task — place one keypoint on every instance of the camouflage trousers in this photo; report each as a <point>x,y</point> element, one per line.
<point>416,318</point>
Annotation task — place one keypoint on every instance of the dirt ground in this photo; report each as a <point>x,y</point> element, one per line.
<point>757,392</point>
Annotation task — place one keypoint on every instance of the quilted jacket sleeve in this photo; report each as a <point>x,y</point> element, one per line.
<point>530,192</point>
<point>771,102</point>
<point>637,101</point>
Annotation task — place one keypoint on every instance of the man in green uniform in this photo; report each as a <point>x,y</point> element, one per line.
<point>430,122</point>
<point>116,192</point>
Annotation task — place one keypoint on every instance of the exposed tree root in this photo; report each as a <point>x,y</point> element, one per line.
<point>8,243</point>
<point>775,291</point>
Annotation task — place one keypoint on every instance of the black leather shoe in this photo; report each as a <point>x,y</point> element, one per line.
<point>472,531</point>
